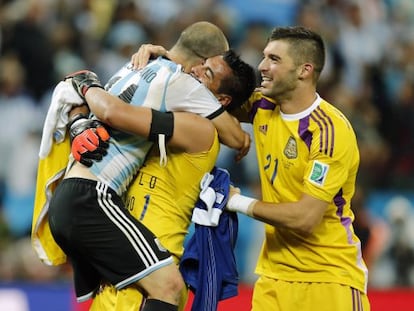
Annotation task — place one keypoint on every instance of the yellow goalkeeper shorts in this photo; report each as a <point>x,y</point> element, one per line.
<point>126,299</point>
<point>277,295</point>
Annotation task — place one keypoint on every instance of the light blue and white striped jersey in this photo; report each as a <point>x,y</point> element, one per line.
<point>161,85</point>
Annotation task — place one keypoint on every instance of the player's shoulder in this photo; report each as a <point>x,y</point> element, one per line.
<point>333,114</point>
<point>332,124</point>
<point>258,101</point>
<point>190,86</point>
<point>258,96</point>
<point>160,69</point>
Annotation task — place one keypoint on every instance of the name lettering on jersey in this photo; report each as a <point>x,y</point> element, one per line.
<point>318,173</point>
<point>263,128</point>
<point>145,179</point>
<point>111,82</point>
<point>148,74</point>
<point>130,67</point>
<point>291,148</point>
<point>129,203</point>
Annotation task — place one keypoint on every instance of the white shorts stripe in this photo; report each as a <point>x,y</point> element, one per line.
<point>132,233</point>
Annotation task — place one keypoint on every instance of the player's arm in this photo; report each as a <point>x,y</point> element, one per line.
<point>186,131</point>
<point>303,215</point>
<point>231,133</point>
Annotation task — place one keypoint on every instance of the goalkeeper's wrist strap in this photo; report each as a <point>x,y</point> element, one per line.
<point>242,204</point>
<point>85,88</point>
<point>73,119</point>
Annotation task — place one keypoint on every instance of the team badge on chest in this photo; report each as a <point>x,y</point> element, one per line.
<point>291,148</point>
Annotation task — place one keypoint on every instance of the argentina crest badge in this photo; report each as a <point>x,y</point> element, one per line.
<point>291,148</point>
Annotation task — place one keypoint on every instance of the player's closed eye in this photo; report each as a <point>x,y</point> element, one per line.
<point>209,74</point>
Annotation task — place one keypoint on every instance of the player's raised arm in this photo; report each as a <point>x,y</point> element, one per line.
<point>181,129</point>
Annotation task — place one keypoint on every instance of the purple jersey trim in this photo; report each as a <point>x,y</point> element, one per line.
<point>263,103</point>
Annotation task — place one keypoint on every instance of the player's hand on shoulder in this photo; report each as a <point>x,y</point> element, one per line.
<point>145,53</point>
<point>89,140</point>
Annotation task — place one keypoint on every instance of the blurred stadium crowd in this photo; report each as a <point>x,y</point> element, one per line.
<point>369,75</point>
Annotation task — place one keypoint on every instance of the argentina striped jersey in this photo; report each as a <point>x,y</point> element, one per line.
<point>161,85</point>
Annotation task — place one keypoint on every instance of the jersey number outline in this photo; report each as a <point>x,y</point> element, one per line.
<point>268,166</point>
<point>144,210</point>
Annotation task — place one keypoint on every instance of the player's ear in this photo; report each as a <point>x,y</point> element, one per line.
<point>305,70</point>
<point>224,99</point>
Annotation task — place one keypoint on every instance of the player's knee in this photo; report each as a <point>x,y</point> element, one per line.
<point>174,284</point>
<point>165,284</point>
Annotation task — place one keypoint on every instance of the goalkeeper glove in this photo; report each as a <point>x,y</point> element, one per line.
<point>89,139</point>
<point>83,80</point>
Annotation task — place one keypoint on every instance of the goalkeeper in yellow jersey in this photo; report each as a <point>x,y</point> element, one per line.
<point>308,161</point>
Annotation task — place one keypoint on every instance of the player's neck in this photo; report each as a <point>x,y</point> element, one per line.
<point>298,102</point>
<point>182,59</point>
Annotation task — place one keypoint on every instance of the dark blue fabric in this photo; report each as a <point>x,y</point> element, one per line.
<point>208,264</point>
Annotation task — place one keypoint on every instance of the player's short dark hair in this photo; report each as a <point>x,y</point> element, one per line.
<point>305,45</point>
<point>241,83</point>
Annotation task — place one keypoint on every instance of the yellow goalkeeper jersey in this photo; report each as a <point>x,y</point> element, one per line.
<point>313,152</point>
<point>50,172</point>
<point>163,198</point>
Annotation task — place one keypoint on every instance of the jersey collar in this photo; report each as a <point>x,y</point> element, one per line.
<point>304,113</point>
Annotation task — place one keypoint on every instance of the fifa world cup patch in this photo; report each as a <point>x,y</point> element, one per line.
<point>318,173</point>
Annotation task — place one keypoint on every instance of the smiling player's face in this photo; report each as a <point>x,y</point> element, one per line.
<point>212,72</point>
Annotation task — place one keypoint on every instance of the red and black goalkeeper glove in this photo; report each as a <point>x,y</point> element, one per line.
<point>83,80</point>
<point>89,139</point>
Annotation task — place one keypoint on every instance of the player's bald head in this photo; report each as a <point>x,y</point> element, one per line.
<point>203,39</point>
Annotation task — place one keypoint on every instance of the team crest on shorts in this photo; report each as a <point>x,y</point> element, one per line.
<point>318,173</point>
<point>291,148</point>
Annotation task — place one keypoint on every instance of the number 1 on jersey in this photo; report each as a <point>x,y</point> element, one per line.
<point>144,210</point>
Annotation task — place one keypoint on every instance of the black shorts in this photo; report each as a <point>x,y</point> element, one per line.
<point>103,242</point>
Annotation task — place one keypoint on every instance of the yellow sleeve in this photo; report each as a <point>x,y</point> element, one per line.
<point>255,97</point>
